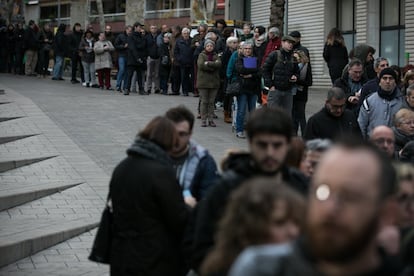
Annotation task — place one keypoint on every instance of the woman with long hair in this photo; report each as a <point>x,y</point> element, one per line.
<point>335,53</point>
<point>261,211</point>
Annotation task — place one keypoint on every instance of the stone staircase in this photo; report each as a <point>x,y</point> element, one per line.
<point>50,190</point>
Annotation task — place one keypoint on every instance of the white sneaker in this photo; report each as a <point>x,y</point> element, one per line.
<point>84,84</point>
<point>240,135</point>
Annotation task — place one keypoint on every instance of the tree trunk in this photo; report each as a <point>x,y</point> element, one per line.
<point>203,10</point>
<point>9,9</point>
<point>277,12</point>
<point>88,12</point>
<point>101,15</point>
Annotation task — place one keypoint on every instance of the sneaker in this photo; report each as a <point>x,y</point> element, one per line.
<point>203,123</point>
<point>126,92</point>
<point>95,85</point>
<point>211,123</point>
<point>84,84</point>
<point>240,135</point>
<point>109,88</point>
<point>142,92</point>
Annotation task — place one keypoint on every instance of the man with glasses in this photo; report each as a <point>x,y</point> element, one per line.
<point>351,82</point>
<point>380,108</point>
<point>333,120</point>
<point>351,200</point>
<point>269,133</point>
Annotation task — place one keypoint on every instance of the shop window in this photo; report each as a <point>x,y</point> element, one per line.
<point>346,21</point>
<point>392,31</point>
<point>155,5</point>
<point>51,12</point>
<point>109,7</point>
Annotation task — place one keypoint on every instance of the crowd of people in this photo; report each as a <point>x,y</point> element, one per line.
<point>331,195</point>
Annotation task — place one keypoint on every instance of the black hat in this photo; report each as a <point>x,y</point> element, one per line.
<point>388,71</point>
<point>138,24</point>
<point>295,34</point>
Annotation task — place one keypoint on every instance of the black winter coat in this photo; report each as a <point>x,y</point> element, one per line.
<point>149,214</point>
<point>31,40</point>
<point>336,57</point>
<point>325,126</point>
<point>119,45</point>
<point>164,50</point>
<point>137,50</point>
<point>277,72</point>
<point>250,85</point>
<point>152,46</point>
<point>199,237</point>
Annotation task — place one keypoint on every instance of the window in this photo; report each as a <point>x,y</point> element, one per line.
<point>345,15</point>
<point>155,5</point>
<point>109,7</point>
<point>51,12</point>
<point>392,31</point>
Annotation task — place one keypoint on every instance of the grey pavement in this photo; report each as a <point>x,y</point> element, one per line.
<point>88,130</point>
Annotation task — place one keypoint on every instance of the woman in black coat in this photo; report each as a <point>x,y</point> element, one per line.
<point>149,213</point>
<point>335,53</point>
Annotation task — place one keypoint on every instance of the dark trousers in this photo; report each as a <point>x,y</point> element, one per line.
<point>175,79</point>
<point>104,73</point>
<point>186,79</point>
<point>19,62</point>
<point>76,60</point>
<point>131,69</point>
<point>43,62</point>
<point>298,116</point>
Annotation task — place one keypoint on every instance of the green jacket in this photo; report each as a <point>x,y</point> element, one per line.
<point>208,75</point>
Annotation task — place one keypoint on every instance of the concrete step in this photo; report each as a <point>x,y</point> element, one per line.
<point>13,194</point>
<point>23,237</point>
<point>8,139</point>
<point>7,163</point>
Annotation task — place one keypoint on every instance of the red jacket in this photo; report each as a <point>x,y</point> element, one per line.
<point>272,45</point>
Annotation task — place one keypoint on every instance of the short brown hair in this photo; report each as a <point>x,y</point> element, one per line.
<point>160,131</point>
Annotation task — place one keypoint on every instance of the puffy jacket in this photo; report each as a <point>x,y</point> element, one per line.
<point>278,70</point>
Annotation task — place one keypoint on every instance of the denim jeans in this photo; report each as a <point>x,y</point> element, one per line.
<point>281,99</point>
<point>243,101</point>
<point>122,77</point>
<point>58,68</point>
<point>89,72</point>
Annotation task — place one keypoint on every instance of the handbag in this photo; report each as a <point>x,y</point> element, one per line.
<point>233,88</point>
<point>101,249</point>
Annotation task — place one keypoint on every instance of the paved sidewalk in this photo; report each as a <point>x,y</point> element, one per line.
<point>88,130</point>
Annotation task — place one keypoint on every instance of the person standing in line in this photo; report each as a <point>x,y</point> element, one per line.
<point>74,41</point>
<point>137,56</point>
<point>183,56</point>
<point>103,61</point>
<point>121,45</point>
<point>248,73</point>
<point>60,49</point>
<point>175,67</point>
<point>300,98</point>
<point>208,81</point>
<point>88,59</point>
<point>46,43</point>
<point>19,39</point>
<point>165,64</point>
<point>269,133</point>
<point>149,213</point>
<point>31,43</point>
<point>153,61</point>
<point>196,170</point>
<point>335,54</point>
<point>280,73</point>
<point>380,108</point>
<point>11,49</point>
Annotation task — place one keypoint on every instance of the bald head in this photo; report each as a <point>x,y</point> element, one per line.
<point>383,137</point>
